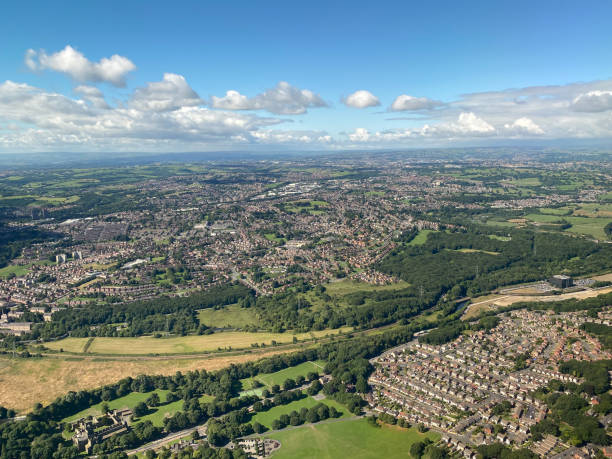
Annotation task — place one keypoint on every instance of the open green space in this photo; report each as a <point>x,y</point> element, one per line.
<point>146,345</point>
<point>16,270</point>
<point>278,377</point>
<point>421,237</point>
<point>266,417</point>
<point>273,237</point>
<point>355,439</point>
<point>232,316</point>
<point>345,287</point>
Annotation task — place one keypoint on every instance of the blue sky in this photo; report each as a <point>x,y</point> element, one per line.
<point>557,56</point>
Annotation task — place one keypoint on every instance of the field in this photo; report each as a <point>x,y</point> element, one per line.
<point>349,286</point>
<point>355,439</point>
<point>232,316</point>
<point>47,378</point>
<point>17,270</point>
<point>269,379</point>
<point>128,401</point>
<point>421,237</point>
<point>265,418</point>
<point>148,345</point>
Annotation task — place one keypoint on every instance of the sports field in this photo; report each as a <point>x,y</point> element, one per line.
<point>149,345</point>
<point>355,439</point>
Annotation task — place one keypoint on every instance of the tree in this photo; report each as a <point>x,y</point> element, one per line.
<point>258,428</point>
<point>314,388</point>
<point>153,399</point>
<point>140,409</point>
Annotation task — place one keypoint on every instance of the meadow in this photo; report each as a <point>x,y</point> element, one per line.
<point>278,377</point>
<point>48,378</point>
<point>231,316</point>
<point>265,418</point>
<point>421,237</point>
<point>356,439</point>
<point>149,345</point>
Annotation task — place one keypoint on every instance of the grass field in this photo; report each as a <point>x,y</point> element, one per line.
<point>269,379</point>
<point>265,418</point>
<point>148,345</point>
<point>345,287</point>
<point>355,439</point>
<point>128,401</point>
<point>17,270</point>
<point>421,237</point>
<point>232,316</point>
<point>48,378</point>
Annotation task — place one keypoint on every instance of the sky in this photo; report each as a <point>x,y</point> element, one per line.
<point>148,76</point>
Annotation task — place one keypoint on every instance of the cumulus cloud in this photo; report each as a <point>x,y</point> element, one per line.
<point>404,102</point>
<point>524,126</point>
<point>361,99</point>
<point>359,135</point>
<point>92,95</point>
<point>467,125</point>
<point>593,102</point>
<point>49,120</point>
<point>172,93</point>
<point>283,99</point>
<point>73,63</point>
<point>292,137</point>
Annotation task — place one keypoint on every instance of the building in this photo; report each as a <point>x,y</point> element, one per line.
<point>561,281</point>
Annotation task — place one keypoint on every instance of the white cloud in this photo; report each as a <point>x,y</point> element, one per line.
<point>283,99</point>
<point>524,126</point>
<point>408,103</point>
<point>593,102</point>
<point>172,93</point>
<point>49,120</point>
<point>92,94</point>
<point>360,135</point>
<point>292,137</point>
<point>469,123</point>
<point>361,99</point>
<point>73,63</point>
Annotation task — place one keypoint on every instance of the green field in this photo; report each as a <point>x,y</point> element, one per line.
<point>355,439</point>
<point>17,270</point>
<point>421,237</point>
<point>232,316</point>
<point>146,345</point>
<point>345,287</point>
<point>156,414</point>
<point>278,377</point>
<point>266,417</point>
<point>273,237</point>
<point>589,226</point>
